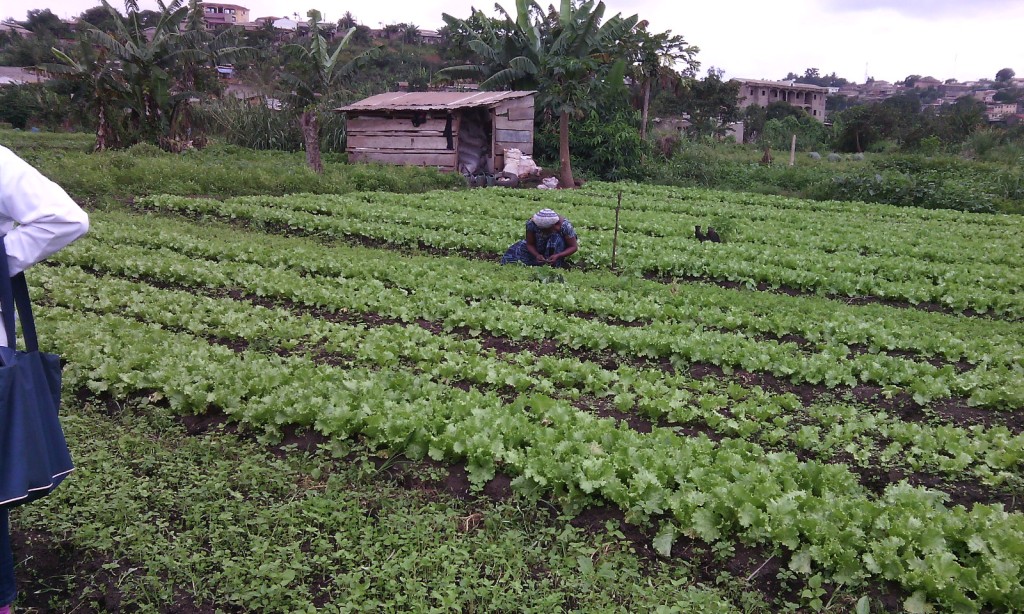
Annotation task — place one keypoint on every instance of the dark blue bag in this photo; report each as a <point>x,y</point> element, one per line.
<point>34,456</point>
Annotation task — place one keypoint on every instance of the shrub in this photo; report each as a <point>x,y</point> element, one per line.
<point>778,133</point>
<point>145,150</point>
<point>222,169</point>
<point>253,126</point>
<point>257,126</point>
<point>882,145</point>
<point>691,165</point>
<point>50,106</point>
<point>926,190</point>
<point>609,149</point>
<point>982,142</point>
<point>930,145</point>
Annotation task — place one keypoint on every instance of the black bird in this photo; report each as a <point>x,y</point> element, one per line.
<point>700,235</point>
<point>713,236</point>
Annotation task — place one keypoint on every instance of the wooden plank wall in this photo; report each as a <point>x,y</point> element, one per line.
<point>395,140</point>
<point>513,128</point>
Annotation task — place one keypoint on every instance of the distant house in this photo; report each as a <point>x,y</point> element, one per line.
<point>850,90</point>
<point>1014,120</point>
<point>430,37</point>
<point>925,83</point>
<point>467,132</point>
<point>224,15</point>
<point>285,24</point>
<point>254,97</point>
<point>13,75</point>
<point>810,98</point>
<point>1000,111</point>
<point>286,28</point>
<point>878,90</point>
<point>955,90</point>
<point>14,28</point>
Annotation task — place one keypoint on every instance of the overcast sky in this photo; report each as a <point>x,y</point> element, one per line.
<point>884,39</point>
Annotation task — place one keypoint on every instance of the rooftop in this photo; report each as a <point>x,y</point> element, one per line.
<point>431,101</point>
<point>789,84</point>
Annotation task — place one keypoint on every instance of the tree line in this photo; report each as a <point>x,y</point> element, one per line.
<point>150,76</point>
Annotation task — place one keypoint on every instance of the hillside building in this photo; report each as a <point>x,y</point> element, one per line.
<point>810,98</point>
<point>218,15</point>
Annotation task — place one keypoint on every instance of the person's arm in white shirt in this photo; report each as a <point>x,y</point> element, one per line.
<point>46,218</point>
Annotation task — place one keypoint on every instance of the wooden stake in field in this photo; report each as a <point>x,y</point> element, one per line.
<point>792,152</point>
<point>615,235</point>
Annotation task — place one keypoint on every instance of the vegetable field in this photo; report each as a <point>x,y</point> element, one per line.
<point>837,389</point>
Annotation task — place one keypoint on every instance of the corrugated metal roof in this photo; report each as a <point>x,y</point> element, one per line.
<point>431,101</point>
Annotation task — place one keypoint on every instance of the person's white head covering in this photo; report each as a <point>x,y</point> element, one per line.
<point>545,218</point>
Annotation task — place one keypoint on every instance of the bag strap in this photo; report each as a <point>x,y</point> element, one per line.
<point>14,294</point>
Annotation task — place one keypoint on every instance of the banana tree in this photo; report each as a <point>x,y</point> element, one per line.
<point>559,54</point>
<point>139,75</point>
<point>319,72</point>
<point>92,67</point>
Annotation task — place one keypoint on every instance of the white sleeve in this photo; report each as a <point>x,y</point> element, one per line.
<point>46,218</point>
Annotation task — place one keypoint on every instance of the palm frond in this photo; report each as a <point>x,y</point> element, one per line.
<point>99,37</point>
<point>524,65</point>
<point>466,71</point>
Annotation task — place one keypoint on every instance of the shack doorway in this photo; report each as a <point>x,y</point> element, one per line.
<point>475,130</point>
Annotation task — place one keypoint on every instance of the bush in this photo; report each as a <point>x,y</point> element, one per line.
<point>608,149</point>
<point>252,126</point>
<point>894,188</point>
<point>810,133</point>
<point>257,126</point>
<point>145,150</point>
<point>224,170</point>
<point>692,165</point>
<point>882,146</point>
<point>945,182</point>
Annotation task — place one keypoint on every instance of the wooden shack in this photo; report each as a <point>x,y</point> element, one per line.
<point>467,132</point>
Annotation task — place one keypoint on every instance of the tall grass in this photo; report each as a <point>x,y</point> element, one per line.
<point>221,170</point>
<point>258,126</point>
<point>937,182</point>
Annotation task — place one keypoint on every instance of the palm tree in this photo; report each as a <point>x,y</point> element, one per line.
<point>559,54</point>
<point>201,51</point>
<point>655,58</point>
<point>321,71</point>
<point>136,74</point>
<point>150,72</point>
<point>92,67</point>
<point>497,43</point>
<point>392,30</point>
<point>411,34</point>
<point>347,21</point>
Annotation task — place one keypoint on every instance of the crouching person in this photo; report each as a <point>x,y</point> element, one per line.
<point>550,239</point>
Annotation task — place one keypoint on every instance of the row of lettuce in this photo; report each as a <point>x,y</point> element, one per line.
<point>505,302</point>
<point>399,349</point>
<point>801,249</point>
<point>725,409</point>
<point>133,338</point>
